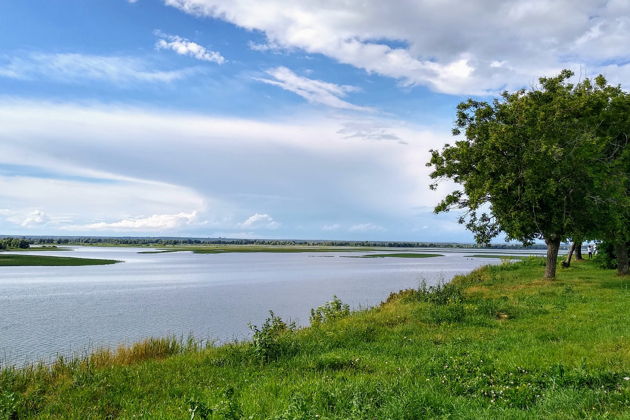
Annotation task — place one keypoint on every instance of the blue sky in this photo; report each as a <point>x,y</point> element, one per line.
<point>262,119</point>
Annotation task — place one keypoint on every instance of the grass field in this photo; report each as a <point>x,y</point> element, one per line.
<point>41,260</point>
<point>41,248</point>
<point>500,343</point>
<point>401,255</point>
<point>501,256</point>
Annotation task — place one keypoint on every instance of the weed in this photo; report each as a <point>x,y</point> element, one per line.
<point>272,339</point>
<point>330,311</point>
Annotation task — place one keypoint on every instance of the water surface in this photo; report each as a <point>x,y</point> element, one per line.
<point>49,311</point>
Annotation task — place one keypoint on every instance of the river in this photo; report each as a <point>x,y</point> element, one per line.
<point>50,311</point>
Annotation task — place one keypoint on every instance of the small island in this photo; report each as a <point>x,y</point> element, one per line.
<point>43,260</point>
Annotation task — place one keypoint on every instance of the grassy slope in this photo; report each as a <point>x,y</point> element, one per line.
<point>41,248</point>
<point>41,260</point>
<point>501,256</point>
<point>515,347</point>
<point>401,255</point>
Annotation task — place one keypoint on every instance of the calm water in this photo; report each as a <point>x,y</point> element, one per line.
<point>47,311</point>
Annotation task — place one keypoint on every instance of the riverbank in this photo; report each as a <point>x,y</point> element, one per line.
<point>16,260</point>
<point>498,343</point>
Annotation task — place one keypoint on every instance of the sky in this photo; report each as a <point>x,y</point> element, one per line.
<point>305,119</point>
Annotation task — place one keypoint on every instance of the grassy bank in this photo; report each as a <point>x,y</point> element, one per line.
<point>41,260</point>
<point>498,343</point>
<point>39,248</point>
<point>500,256</point>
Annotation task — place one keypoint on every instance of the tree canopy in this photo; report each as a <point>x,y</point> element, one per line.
<point>546,163</point>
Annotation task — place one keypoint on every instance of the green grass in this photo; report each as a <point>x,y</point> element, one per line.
<point>502,256</point>
<point>500,343</point>
<point>401,255</point>
<point>42,248</point>
<point>41,260</point>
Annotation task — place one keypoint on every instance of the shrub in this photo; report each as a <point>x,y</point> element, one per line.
<point>605,257</point>
<point>440,294</point>
<point>269,342</point>
<point>330,311</point>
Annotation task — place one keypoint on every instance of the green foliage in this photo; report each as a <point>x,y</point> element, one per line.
<point>14,243</point>
<point>548,163</point>
<point>440,294</point>
<point>330,311</point>
<point>605,257</point>
<point>227,408</point>
<point>273,339</point>
<point>42,260</point>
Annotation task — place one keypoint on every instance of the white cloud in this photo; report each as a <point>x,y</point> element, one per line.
<point>314,91</point>
<point>156,222</point>
<point>259,221</point>
<point>366,227</point>
<point>122,162</point>
<point>424,42</point>
<point>330,228</point>
<point>25,218</point>
<point>183,46</point>
<point>36,217</point>
<point>72,67</point>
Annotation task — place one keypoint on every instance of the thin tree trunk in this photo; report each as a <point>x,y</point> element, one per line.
<point>567,261</point>
<point>553,246</point>
<point>621,249</point>
<point>578,251</point>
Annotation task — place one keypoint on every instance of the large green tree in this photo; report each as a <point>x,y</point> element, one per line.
<point>529,163</point>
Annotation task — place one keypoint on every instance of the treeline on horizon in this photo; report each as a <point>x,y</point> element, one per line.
<point>91,240</point>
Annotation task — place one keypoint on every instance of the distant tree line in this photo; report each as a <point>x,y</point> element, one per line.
<point>14,243</point>
<point>87,240</point>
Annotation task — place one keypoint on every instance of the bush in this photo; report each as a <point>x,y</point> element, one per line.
<point>269,342</point>
<point>605,257</point>
<point>331,311</point>
<point>440,294</point>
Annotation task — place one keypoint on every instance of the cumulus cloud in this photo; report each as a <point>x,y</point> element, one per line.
<point>301,171</point>
<point>259,221</point>
<point>26,218</point>
<point>183,46</point>
<point>486,46</point>
<point>36,217</point>
<point>72,67</point>
<point>156,222</point>
<point>314,91</point>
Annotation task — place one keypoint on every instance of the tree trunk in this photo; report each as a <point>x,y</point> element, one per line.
<point>621,249</point>
<point>578,251</point>
<point>553,246</point>
<point>567,261</point>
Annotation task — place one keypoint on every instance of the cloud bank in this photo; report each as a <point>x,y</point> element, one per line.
<point>485,47</point>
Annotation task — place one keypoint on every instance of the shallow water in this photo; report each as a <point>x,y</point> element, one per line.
<point>49,311</point>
